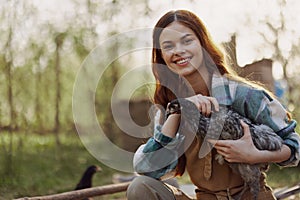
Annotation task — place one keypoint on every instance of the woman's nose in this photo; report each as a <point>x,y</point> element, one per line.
<point>179,49</point>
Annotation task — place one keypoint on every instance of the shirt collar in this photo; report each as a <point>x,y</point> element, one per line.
<point>220,89</point>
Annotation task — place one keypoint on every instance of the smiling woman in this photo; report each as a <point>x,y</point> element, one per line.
<point>187,64</point>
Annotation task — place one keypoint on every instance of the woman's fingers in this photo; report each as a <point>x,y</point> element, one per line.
<point>214,102</point>
<point>205,107</point>
<point>204,104</point>
<point>245,128</point>
<point>224,144</point>
<point>223,148</point>
<point>240,150</point>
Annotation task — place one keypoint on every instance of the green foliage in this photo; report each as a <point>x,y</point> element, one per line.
<point>40,167</point>
<point>279,177</point>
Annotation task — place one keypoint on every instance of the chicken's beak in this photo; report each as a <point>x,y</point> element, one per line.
<point>98,169</point>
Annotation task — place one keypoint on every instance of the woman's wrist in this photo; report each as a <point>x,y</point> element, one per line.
<point>266,156</point>
<point>170,126</point>
<point>259,156</point>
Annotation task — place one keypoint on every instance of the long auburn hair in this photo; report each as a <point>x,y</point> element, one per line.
<point>213,55</point>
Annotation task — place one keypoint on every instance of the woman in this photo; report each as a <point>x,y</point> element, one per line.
<point>187,64</point>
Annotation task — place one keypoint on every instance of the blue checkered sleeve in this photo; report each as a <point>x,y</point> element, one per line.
<point>158,156</point>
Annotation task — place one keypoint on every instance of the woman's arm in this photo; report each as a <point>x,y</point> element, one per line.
<point>171,125</point>
<point>260,108</point>
<point>244,151</point>
<point>159,155</point>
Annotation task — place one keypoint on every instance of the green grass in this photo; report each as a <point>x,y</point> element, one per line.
<point>279,177</point>
<point>37,166</point>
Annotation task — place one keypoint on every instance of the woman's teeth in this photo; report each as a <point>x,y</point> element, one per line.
<point>183,61</point>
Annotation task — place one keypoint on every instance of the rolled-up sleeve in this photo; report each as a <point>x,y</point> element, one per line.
<point>159,155</point>
<point>285,129</point>
<point>291,139</point>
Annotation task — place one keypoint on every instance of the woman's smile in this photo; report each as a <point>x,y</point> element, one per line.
<point>181,49</point>
<point>182,61</point>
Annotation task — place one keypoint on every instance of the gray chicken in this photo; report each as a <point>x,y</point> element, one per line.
<point>225,125</point>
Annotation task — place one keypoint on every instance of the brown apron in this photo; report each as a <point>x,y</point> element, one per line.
<point>215,181</point>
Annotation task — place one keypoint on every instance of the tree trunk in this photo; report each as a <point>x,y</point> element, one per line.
<point>12,115</point>
<point>58,41</point>
<point>39,121</point>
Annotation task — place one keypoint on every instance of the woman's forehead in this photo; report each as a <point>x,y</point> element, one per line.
<point>175,30</point>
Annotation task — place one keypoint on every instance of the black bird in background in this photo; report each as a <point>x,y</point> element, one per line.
<point>225,125</point>
<point>86,179</point>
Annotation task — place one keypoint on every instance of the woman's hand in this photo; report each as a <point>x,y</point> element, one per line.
<point>204,103</point>
<point>242,150</point>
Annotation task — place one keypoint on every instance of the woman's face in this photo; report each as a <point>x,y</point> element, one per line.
<point>181,49</point>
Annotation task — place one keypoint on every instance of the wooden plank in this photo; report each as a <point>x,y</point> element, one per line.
<point>287,192</point>
<point>85,193</point>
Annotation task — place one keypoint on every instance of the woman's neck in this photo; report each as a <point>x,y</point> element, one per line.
<point>200,81</point>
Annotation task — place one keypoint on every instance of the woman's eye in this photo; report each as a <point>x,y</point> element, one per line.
<point>167,47</point>
<point>187,41</point>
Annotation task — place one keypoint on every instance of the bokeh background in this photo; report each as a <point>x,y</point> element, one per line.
<point>44,43</point>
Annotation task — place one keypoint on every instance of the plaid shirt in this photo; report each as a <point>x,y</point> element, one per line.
<point>158,157</point>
